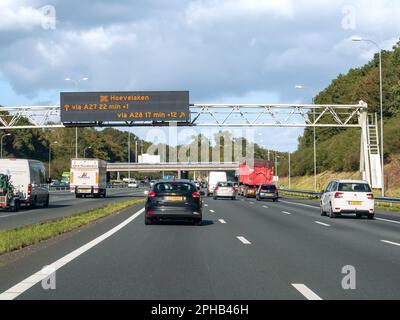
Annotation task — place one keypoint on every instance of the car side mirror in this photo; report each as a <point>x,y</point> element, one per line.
<point>146,192</point>
<point>48,181</point>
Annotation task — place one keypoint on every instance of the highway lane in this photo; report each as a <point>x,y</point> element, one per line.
<point>244,250</point>
<point>63,204</point>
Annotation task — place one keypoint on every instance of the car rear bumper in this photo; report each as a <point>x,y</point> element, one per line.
<point>173,213</point>
<point>268,197</point>
<point>224,194</point>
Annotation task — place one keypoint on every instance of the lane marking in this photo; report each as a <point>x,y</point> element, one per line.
<point>285,212</point>
<point>212,211</point>
<point>206,205</point>
<point>300,204</point>
<point>244,240</point>
<point>390,242</point>
<point>251,202</point>
<point>29,282</point>
<point>222,221</point>
<point>322,224</point>
<point>306,291</point>
<point>265,207</point>
<point>392,221</point>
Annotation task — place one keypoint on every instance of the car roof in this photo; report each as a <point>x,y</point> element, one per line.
<point>351,181</point>
<point>174,180</point>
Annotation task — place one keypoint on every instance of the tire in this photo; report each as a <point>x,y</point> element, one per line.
<point>198,222</point>
<point>331,214</point>
<point>258,199</point>
<point>47,202</point>
<point>17,206</point>
<point>78,196</point>
<point>323,213</point>
<point>34,203</point>
<point>358,216</point>
<point>147,221</point>
<point>215,198</point>
<point>275,200</point>
<point>371,217</point>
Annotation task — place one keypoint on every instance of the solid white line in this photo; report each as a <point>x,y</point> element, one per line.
<point>322,224</point>
<point>392,221</point>
<point>212,211</point>
<point>265,207</point>
<point>222,221</point>
<point>29,282</point>
<point>244,240</point>
<point>390,242</point>
<point>300,204</point>
<point>285,212</point>
<point>307,292</point>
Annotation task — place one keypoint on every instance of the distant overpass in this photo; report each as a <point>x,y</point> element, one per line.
<point>173,166</point>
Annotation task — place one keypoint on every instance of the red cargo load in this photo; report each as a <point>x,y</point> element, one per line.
<point>260,173</point>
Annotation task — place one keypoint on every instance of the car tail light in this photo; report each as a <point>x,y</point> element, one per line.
<point>152,194</point>
<point>339,195</point>
<point>216,189</point>
<point>233,189</point>
<point>29,189</point>
<point>196,195</point>
<point>150,212</point>
<point>370,196</point>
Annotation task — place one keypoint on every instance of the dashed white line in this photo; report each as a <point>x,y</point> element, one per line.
<point>212,211</point>
<point>322,224</point>
<point>244,240</point>
<point>206,205</point>
<point>265,207</point>
<point>386,220</point>
<point>29,282</point>
<point>300,204</point>
<point>390,242</point>
<point>306,291</point>
<point>285,212</point>
<point>251,202</point>
<point>222,221</point>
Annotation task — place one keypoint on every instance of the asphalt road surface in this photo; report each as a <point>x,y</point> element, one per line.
<point>63,204</point>
<point>244,250</point>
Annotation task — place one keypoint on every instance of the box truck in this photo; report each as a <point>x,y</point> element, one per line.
<point>88,177</point>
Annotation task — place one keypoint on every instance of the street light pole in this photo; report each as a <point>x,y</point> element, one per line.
<point>76,82</point>
<point>301,87</point>
<point>129,153</point>
<point>358,39</point>
<point>2,138</point>
<point>55,142</point>
<point>84,151</point>
<point>290,185</point>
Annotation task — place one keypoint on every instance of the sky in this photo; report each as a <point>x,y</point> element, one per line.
<point>222,51</point>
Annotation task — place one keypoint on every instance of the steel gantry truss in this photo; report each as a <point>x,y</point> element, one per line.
<point>206,115</point>
<point>234,115</point>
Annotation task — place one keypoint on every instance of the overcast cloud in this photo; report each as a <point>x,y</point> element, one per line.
<point>220,50</point>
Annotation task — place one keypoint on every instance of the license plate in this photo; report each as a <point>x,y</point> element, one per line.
<point>174,198</point>
<point>355,203</point>
<point>85,190</point>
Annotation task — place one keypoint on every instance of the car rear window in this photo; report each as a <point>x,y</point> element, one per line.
<point>172,187</point>
<point>354,187</point>
<point>225,184</point>
<point>268,188</point>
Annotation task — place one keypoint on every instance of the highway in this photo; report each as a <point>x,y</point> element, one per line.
<point>62,204</point>
<point>244,250</point>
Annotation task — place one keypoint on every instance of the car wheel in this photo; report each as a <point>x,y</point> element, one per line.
<point>215,198</point>
<point>198,222</point>
<point>147,221</point>
<point>257,198</point>
<point>359,216</point>
<point>275,200</point>
<point>332,215</point>
<point>371,217</point>
<point>46,204</point>
<point>323,213</point>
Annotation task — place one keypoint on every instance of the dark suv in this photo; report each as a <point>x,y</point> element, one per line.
<point>177,200</point>
<point>269,192</point>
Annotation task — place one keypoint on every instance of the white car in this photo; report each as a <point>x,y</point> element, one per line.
<point>133,184</point>
<point>348,197</point>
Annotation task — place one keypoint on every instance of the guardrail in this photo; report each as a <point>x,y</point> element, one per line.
<point>319,194</point>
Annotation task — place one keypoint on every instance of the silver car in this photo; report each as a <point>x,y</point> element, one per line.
<point>225,190</point>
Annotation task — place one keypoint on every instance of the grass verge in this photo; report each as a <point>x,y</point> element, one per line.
<point>11,240</point>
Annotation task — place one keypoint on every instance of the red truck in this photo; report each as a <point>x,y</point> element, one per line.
<point>254,174</point>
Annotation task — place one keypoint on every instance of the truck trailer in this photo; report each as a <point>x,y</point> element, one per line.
<point>88,178</point>
<point>253,174</point>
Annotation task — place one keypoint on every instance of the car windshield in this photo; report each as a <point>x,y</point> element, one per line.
<point>173,187</point>
<point>225,184</point>
<point>268,188</point>
<point>354,187</point>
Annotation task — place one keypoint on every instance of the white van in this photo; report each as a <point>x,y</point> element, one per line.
<point>213,179</point>
<point>29,180</point>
